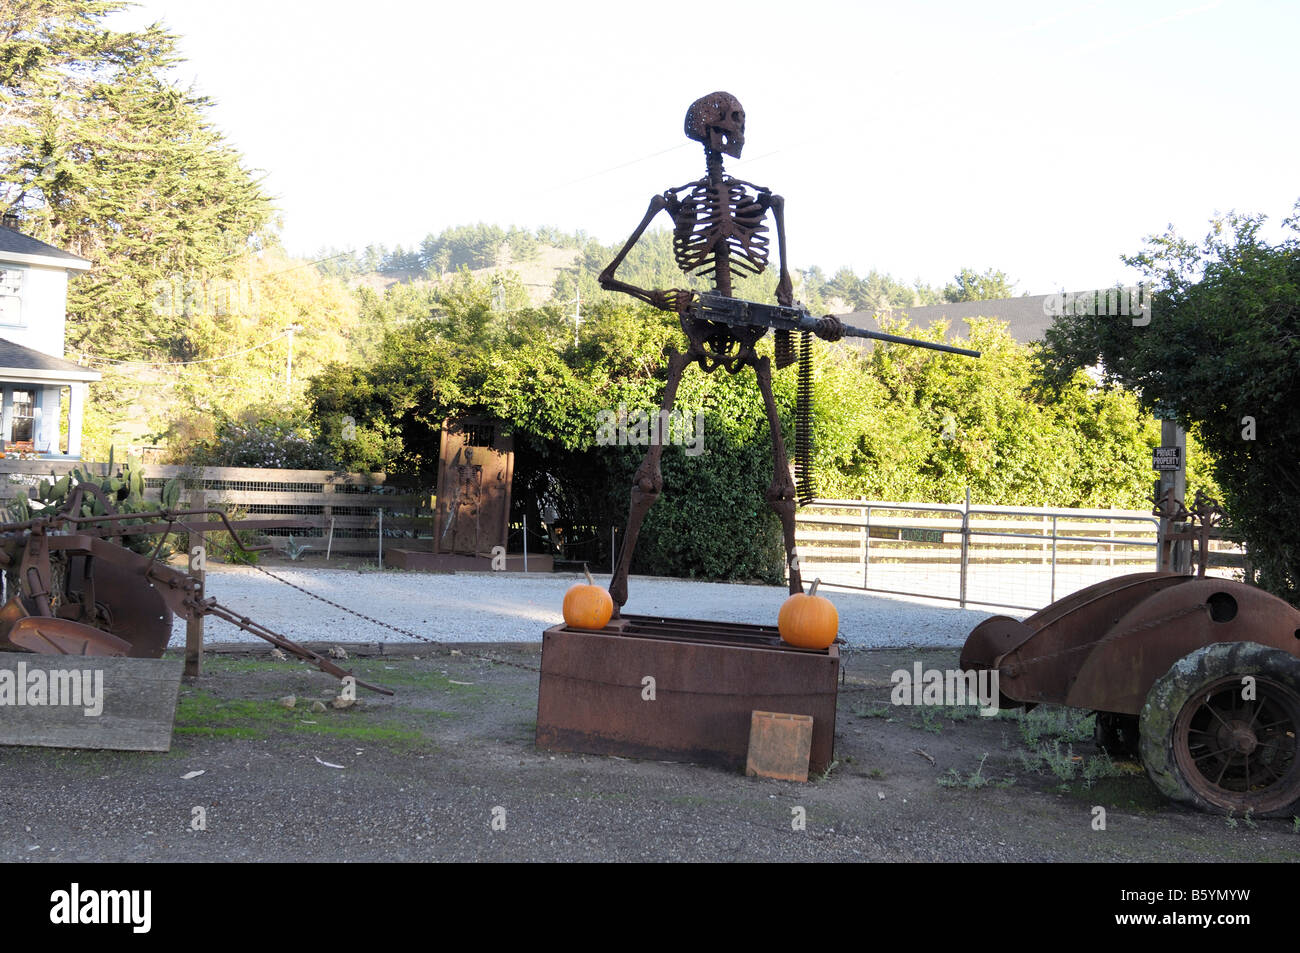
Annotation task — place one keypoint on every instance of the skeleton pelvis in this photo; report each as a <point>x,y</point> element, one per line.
<point>716,345</point>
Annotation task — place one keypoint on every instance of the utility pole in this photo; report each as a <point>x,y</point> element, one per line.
<point>288,369</point>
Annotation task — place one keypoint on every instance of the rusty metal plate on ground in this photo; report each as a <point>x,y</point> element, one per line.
<point>779,745</point>
<point>679,690</point>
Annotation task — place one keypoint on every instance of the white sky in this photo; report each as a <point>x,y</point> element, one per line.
<point>1042,139</point>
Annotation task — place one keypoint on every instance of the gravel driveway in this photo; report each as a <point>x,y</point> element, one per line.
<point>493,607</point>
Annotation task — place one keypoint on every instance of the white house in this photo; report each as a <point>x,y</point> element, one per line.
<point>33,372</point>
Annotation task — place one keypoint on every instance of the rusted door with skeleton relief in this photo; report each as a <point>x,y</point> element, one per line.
<point>475,469</point>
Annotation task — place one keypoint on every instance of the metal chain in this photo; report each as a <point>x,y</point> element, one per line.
<point>393,628</point>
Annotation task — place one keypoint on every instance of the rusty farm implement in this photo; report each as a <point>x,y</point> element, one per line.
<point>1196,675</point>
<point>75,584</point>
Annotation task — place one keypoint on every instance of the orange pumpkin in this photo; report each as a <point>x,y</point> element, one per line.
<point>587,606</point>
<point>808,621</point>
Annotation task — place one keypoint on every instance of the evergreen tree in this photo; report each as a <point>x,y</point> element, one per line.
<point>102,155</point>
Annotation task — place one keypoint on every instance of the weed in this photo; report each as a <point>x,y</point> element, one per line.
<point>930,720</point>
<point>1295,825</point>
<point>879,775</point>
<point>1230,820</point>
<point>827,773</point>
<point>975,780</point>
<point>1250,819</point>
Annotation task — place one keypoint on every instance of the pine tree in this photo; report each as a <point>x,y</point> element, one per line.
<point>102,155</point>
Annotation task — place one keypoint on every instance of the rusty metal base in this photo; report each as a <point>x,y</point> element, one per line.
<point>708,679</point>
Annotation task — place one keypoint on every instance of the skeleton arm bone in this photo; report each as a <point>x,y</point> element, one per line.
<point>784,287</point>
<point>675,299</point>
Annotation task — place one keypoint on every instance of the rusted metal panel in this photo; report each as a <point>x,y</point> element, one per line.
<point>1117,675</point>
<point>1043,667</point>
<point>475,470</point>
<point>706,680</point>
<point>779,746</point>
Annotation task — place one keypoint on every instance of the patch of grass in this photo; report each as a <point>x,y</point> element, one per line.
<point>1067,767</point>
<point>200,714</point>
<point>930,720</point>
<point>1052,721</point>
<point>239,663</point>
<point>1295,825</point>
<point>879,775</point>
<point>880,711</point>
<point>1130,790</point>
<point>974,781</point>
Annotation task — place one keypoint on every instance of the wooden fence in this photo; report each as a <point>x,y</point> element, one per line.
<point>354,504</point>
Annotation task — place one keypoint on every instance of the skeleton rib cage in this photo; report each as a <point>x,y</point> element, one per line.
<point>719,229</point>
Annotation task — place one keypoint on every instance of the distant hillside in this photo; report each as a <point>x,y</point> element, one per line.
<point>554,265</point>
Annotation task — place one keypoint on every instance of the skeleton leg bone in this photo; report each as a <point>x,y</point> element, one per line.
<point>781,492</point>
<point>648,481</point>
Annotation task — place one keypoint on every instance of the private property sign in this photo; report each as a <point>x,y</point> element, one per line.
<point>1167,458</point>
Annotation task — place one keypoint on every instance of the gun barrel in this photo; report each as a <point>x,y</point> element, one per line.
<point>898,339</point>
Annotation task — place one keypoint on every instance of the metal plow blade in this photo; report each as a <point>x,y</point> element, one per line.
<point>47,636</point>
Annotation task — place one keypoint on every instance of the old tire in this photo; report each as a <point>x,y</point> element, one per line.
<point>1117,735</point>
<point>1205,743</point>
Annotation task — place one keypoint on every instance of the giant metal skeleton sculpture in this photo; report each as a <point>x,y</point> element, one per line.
<point>718,226</point>
<point>719,229</point>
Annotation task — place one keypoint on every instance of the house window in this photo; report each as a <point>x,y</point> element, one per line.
<point>11,296</point>
<point>24,416</point>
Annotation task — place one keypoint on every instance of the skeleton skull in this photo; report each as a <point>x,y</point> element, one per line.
<point>718,121</point>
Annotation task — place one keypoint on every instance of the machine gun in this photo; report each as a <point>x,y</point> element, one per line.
<point>733,312</point>
<point>710,306</point>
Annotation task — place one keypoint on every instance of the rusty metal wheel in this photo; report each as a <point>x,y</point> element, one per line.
<point>1219,730</point>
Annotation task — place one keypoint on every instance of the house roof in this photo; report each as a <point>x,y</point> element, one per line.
<point>1027,317</point>
<point>23,249</point>
<point>18,363</point>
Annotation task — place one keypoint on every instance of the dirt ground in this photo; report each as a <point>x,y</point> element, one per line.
<point>422,775</point>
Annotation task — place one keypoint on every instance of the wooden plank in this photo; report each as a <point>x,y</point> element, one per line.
<point>136,699</point>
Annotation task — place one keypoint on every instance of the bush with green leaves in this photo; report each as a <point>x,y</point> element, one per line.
<point>894,422</point>
<point>267,439</point>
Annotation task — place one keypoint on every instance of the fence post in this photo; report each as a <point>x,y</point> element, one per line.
<point>965,546</point>
<point>866,543</point>
<point>612,530</point>
<point>381,537</point>
<point>329,543</point>
<point>525,542</point>
<point>194,624</point>
<point>1052,597</point>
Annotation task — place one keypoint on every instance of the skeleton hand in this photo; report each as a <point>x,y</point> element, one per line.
<point>673,299</point>
<point>829,328</point>
<point>785,290</point>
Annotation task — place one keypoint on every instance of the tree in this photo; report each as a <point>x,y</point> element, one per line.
<point>967,285</point>
<point>101,154</point>
<point>1219,349</point>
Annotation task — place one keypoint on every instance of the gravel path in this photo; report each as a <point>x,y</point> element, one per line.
<point>490,607</point>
